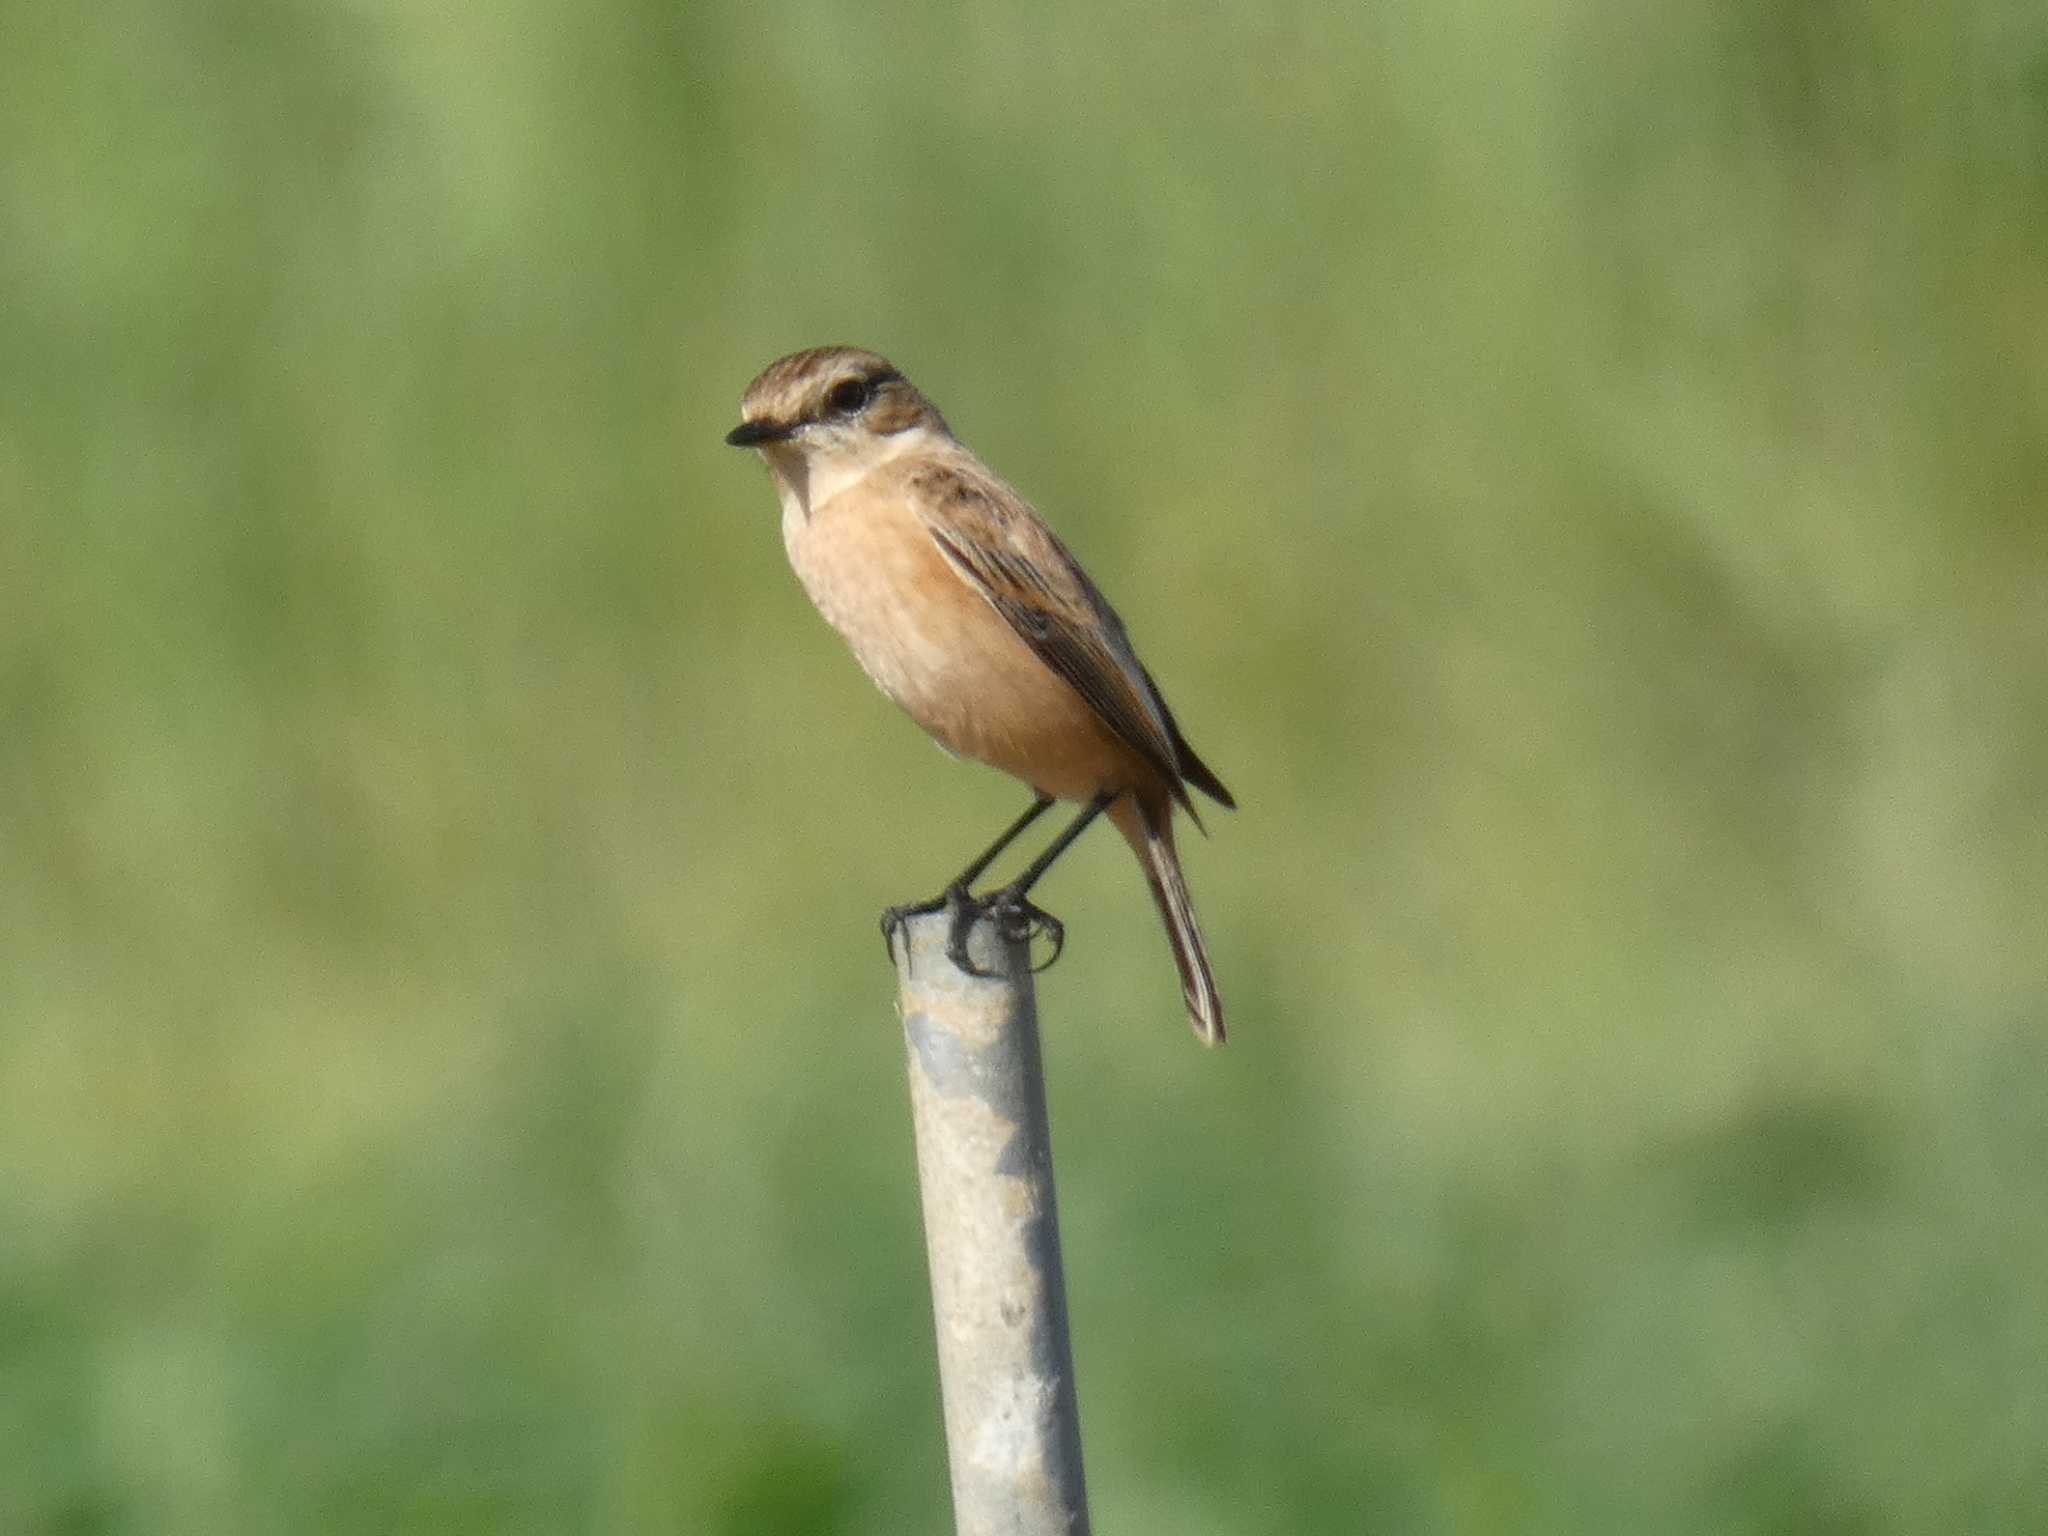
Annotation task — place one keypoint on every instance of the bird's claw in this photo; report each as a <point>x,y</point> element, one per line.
<point>964,912</point>
<point>1020,922</point>
<point>1017,921</point>
<point>953,899</point>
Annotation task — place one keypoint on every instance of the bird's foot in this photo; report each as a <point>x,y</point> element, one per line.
<point>1019,921</point>
<point>1016,919</point>
<point>954,899</point>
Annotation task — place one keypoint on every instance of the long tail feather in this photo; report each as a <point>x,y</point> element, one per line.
<point>1150,834</point>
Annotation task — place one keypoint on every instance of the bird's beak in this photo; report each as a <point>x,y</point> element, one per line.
<point>752,434</point>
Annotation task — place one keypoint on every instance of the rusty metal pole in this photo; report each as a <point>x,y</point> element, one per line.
<point>999,1296</point>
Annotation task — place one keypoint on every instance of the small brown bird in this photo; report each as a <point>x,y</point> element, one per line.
<point>967,611</point>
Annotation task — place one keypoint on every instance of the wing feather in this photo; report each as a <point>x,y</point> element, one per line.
<point>999,545</point>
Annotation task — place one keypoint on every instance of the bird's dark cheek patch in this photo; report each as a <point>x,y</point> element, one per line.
<point>888,417</point>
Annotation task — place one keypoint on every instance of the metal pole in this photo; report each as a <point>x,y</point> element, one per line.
<point>999,1297</point>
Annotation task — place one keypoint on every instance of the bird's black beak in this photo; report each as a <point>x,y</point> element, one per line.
<point>752,434</point>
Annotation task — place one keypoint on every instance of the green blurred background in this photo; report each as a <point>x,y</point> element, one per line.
<point>1579,471</point>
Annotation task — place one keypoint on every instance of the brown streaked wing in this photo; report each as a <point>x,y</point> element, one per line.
<point>999,545</point>
<point>1192,768</point>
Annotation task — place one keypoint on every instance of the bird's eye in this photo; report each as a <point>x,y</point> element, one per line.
<point>848,396</point>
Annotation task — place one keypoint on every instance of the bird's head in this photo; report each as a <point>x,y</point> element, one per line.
<point>831,414</point>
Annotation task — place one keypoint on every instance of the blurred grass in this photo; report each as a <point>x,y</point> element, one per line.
<point>1581,478</point>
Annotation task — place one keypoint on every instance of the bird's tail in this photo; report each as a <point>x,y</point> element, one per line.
<point>1149,830</point>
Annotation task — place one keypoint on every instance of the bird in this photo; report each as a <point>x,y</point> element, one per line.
<point>965,608</point>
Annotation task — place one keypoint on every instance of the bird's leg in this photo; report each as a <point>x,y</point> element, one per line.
<point>973,872</point>
<point>956,897</point>
<point>1018,918</point>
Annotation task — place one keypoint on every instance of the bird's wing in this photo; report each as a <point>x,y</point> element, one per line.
<point>1002,550</point>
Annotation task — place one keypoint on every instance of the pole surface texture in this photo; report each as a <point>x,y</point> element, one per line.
<point>999,1298</point>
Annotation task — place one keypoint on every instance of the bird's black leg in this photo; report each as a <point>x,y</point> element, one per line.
<point>973,872</point>
<point>1017,917</point>
<point>956,897</point>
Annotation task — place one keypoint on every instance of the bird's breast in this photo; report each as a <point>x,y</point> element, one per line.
<point>879,579</point>
<point>932,643</point>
